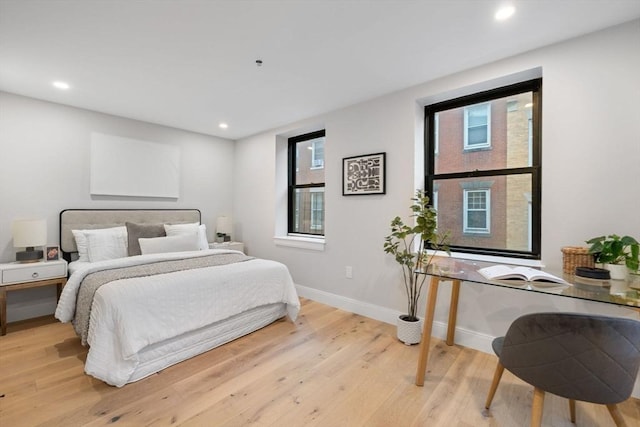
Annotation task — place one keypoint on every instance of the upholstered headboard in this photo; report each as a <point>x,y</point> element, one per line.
<point>82,219</point>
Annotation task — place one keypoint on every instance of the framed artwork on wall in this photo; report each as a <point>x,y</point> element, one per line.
<point>364,175</point>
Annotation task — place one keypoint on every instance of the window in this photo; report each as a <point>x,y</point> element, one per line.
<point>436,132</point>
<point>317,154</point>
<point>306,184</point>
<point>317,209</point>
<point>477,126</point>
<point>483,167</point>
<point>477,211</point>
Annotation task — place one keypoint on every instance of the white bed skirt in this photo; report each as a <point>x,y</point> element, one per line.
<point>157,357</point>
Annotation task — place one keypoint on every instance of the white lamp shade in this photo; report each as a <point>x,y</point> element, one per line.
<point>28,233</point>
<point>224,225</point>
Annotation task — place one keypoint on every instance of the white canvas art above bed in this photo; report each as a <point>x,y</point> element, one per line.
<point>131,167</point>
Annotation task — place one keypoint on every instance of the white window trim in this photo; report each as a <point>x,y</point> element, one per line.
<point>300,241</point>
<point>281,237</point>
<point>489,258</point>
<point>465,204</point>
<point>466,127</point>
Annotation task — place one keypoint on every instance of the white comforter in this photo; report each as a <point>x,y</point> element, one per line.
<point>130,314</point>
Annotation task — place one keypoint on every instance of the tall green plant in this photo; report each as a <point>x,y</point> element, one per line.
<point>401,243</point>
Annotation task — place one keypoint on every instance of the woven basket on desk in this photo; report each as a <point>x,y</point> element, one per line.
<point>576,256</point>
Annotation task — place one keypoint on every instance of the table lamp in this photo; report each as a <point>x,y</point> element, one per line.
<point>224,228</point>
<point>28,234</point>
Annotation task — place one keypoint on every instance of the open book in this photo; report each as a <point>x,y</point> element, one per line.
<point>502,272</point>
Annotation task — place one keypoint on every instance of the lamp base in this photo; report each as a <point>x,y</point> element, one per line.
<point>29,256</point>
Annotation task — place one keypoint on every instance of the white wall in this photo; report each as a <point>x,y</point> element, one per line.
<point>44,168</point>
<point>591,170</point>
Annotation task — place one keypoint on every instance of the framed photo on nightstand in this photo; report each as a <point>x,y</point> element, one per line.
<point>52,253</point>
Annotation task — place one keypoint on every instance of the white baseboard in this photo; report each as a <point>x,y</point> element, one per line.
<point>464,337</point>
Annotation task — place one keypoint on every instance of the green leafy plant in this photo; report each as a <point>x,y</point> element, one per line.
<point>401,244</point>
<point>613,249</point>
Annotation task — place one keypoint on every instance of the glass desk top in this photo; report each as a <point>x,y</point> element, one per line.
<point>618,292</point>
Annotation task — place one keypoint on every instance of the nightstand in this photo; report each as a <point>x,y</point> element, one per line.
<point>236,246</point>
<point>15,276</point>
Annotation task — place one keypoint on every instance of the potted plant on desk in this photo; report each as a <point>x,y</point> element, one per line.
<point>617,254</point>
<point>401,244</point>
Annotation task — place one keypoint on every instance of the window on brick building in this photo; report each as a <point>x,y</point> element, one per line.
<point>477,211</point>
<point>477,126</point>
<point>483,162</point>
<point>317,153</point>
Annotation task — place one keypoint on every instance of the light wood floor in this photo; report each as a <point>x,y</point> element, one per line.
<point>330,368</point>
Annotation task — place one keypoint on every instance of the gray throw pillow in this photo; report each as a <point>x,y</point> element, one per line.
<point>136,231</point>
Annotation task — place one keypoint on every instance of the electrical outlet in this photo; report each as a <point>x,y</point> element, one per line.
<point>348,272</point>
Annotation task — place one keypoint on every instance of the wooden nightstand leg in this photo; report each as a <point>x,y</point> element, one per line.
<point>3,311</point>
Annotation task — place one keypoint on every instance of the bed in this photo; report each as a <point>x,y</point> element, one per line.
<point>141,313</point>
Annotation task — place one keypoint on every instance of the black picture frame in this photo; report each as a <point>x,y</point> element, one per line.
<point>364,174</point>
<point>52,253</point>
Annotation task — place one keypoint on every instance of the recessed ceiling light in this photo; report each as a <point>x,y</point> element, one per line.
<point>223,125</point>
<point>505,12</point>
<point>61,85</point>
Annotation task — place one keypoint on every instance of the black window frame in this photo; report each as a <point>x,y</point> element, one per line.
<point>292,186</point>
<point>535,170</point>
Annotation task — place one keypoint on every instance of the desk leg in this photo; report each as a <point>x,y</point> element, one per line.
<point>3,311</point>
<point>453,311</point>
<point>426,330</point>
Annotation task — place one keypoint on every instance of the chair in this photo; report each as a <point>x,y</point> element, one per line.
<point>581,357</point>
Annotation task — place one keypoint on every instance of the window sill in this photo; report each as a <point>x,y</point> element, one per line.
<point>492,258</point>
<point>311,243</point>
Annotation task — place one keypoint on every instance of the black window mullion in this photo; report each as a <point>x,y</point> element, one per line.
<point>489,172</point>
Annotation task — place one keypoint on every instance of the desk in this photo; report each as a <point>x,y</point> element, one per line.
<point>457,271</point>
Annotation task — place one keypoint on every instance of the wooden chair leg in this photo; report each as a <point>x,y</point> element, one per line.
<point>572,410</point>
<point>616,415</point>
<point>494,385</point>
<point>536,407</point>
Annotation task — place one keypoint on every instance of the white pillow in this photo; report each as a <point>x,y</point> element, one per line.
<point>192,228</point>
<point>104,246</point>
<point>81,239</point>
<point>179,243</point>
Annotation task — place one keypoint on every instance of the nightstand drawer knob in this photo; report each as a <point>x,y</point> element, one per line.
<point>35,274</point>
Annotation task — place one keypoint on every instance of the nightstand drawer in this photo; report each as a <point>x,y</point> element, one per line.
<point>30,273</point>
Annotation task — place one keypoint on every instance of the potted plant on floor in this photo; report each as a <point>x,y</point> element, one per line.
<point>401,243</point>
<point>617,254</point>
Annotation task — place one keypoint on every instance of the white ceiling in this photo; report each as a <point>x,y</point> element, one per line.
<point>190,64</point>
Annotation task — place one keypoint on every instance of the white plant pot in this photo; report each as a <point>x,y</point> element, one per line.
<point>617,271</point>
<point>409,332</point>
